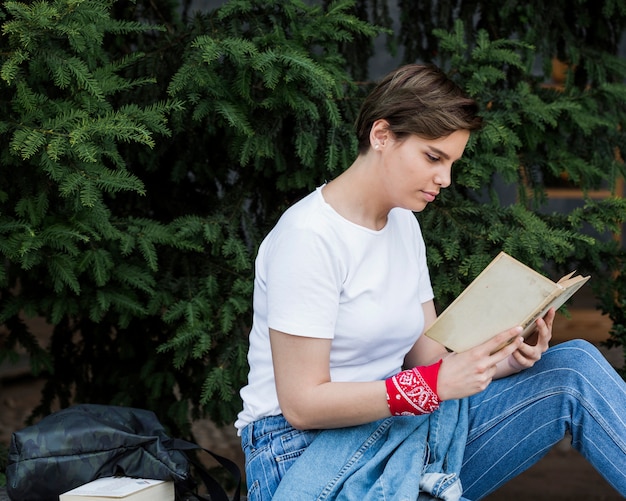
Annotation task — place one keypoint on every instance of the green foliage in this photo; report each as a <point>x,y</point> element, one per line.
<point>144,154</point>
<point>141,165</point>
<point>535,134</point>
<point>67,256</point>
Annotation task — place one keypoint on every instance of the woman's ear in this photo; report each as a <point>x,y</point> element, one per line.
<point>379,134</point>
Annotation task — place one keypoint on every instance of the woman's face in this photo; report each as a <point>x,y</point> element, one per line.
<point>416,169</point>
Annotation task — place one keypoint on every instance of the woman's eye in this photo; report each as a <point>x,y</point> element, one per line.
<point>432,158</point>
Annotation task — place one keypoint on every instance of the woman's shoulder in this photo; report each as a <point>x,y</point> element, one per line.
<point>310,214</point>
<point>301,222</point>
<point>307,206</point>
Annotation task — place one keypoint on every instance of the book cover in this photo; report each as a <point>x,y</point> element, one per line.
<point>126,488</point>
<point>505,294</point>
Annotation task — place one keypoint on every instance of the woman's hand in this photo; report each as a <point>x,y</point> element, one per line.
<point>470,372</point>
<point>531,350</point>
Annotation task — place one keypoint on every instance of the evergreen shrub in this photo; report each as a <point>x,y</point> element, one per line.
<point>145,152</point>
<point>143,155</point>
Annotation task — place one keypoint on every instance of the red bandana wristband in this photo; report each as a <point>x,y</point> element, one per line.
<point>414,391</point>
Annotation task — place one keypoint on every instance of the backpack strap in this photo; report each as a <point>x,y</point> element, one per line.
<point>215,490</point>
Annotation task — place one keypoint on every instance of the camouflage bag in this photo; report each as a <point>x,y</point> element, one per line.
<point>82,443</point>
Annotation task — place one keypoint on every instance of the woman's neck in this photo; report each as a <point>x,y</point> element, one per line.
<point>357,195</point>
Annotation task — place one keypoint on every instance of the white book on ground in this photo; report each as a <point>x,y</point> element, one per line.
<point>125,488</point>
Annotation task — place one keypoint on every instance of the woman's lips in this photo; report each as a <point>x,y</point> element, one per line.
<point>430,196</point>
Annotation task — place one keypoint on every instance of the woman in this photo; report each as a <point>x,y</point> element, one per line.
<point>342,297</point>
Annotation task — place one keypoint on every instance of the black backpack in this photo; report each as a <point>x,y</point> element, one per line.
<point>87,441</point>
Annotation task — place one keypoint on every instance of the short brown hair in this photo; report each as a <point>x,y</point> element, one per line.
<point>420,100</point>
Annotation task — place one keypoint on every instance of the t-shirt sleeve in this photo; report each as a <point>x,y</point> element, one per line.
<point>303,284</point>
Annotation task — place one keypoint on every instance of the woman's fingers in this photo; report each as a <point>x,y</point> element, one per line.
<point>470,372</point>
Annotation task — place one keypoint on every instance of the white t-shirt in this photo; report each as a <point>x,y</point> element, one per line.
<point>320,275</point>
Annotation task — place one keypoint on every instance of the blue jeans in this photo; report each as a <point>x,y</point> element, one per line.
<point>512,424</point>
<point>271,446</point>
<point>516,420</point>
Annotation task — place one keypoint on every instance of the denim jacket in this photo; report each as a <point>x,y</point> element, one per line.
<point>397,458</point>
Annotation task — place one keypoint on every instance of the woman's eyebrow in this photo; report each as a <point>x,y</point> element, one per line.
<point>439,152</point>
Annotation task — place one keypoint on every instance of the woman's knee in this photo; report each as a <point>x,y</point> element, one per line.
<point>579,368</point>
<point>573,354</point>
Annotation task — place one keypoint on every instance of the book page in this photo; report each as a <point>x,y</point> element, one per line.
<point>571,287</point>
<point>113,487</point>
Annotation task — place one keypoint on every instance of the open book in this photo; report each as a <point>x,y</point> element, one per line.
<point>505,294</point>
<point>122,488</point>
